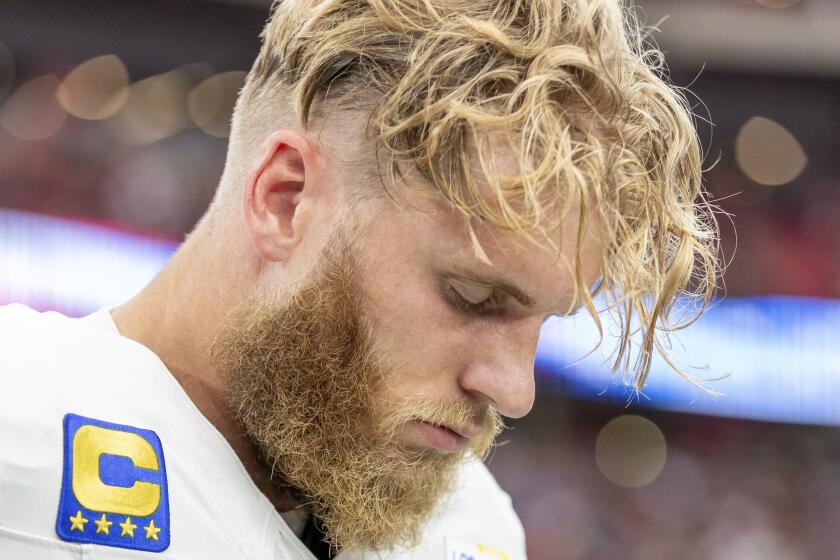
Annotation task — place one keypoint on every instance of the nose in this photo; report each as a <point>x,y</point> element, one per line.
<point>502,375</point>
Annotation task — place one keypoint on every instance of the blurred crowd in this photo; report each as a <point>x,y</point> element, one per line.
<point>153,190</point>
<point>779,240</point>
<point>729,489</point>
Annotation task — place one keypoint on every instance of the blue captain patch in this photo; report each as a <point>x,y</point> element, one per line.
<point>114,489</point>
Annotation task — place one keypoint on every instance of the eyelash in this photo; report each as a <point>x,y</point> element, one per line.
<point>461,304</point>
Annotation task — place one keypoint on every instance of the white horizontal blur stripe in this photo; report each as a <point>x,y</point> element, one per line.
<point>73,267</point>
<point>782,355</point>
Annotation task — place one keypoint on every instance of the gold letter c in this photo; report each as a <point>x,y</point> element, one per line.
<point>89,444</point>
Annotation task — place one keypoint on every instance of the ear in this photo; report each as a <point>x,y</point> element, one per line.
<point>280,193</point>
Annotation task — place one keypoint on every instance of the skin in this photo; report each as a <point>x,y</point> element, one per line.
<point>291,202</point>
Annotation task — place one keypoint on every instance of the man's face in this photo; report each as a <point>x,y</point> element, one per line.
<point>314,393</point>
<point>365,385</point>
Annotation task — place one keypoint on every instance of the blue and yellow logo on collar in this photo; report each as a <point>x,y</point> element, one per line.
<point>114,489</point>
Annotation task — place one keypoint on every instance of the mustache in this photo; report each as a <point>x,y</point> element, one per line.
<point>481,423</point>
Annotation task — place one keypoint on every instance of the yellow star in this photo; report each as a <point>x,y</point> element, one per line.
<point>103,525</point>
<point>78,522</point>
<point>127,528</point>
<point>151,530</point>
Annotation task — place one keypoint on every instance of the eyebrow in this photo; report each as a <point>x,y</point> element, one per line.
<point>509,288</point>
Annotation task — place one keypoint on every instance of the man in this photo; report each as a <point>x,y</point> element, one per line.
<point>411,189</point>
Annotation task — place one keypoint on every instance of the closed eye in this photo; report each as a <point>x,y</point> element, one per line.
<point>470,297</point>
<point>460,303</point>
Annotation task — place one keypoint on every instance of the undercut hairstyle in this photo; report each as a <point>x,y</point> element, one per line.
<point>575,88</point>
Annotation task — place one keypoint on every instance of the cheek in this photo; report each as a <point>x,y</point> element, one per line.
<point>422,338</point>
<point>418,333</point>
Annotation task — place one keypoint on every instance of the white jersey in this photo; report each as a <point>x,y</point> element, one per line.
<point>103,455</point>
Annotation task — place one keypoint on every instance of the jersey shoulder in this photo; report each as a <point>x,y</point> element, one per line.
<point>51,360</point>
<point>51,367</point>
<point>97,439</point>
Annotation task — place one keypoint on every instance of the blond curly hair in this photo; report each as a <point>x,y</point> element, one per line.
<point>578,89</point>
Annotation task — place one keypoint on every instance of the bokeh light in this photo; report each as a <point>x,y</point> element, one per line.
<point>32,112</point>
<point>156,109</point>
<point>768,153</point>
<point>7,70</point>
<point>211,102</point>
<point>96,89</point>
<point>630,451</point>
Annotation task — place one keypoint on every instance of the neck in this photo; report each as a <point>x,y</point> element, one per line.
<point>179,314</point>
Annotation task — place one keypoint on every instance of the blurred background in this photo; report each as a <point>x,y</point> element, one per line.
<point>113,125</point>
